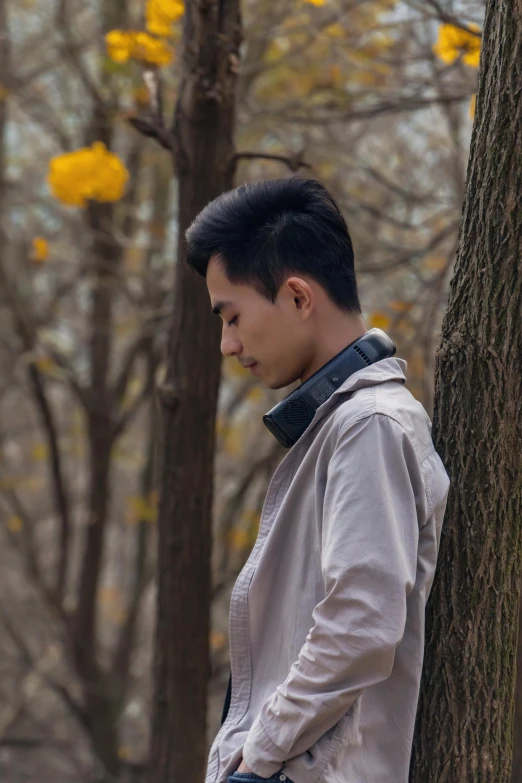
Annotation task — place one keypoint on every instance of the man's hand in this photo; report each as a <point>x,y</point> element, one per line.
<point>243,767</point>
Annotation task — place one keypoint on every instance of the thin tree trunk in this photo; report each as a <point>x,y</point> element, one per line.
<point>102,708</point>
<point>5,64</point>
<point>465,717</point>
<point>203,150</point>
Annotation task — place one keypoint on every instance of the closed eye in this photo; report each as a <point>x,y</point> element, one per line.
<point>232,321</point>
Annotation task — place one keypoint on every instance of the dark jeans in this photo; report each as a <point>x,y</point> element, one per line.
<point>246,777</point>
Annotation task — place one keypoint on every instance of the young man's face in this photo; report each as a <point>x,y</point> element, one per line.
<point>277,337</point>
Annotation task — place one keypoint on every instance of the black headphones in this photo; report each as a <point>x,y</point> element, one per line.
<point>290,418</point>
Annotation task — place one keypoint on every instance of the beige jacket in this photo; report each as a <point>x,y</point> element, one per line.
<point>327,615</point>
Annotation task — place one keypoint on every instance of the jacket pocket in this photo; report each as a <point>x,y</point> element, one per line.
<point>347,729</point>
<point>345,732</point>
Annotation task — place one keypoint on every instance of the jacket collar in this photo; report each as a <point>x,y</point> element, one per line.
<point>390,369</point>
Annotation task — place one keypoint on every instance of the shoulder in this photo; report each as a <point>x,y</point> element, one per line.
<point>391,414</point>
<point>388,405</point>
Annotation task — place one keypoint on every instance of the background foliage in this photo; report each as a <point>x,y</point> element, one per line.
<point>375,98</point>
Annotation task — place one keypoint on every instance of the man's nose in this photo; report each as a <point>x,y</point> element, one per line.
<point>230,346</point>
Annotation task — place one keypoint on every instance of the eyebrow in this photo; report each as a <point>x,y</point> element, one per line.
<point>219,306</point>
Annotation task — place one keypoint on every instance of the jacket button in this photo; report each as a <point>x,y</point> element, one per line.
<point>282,777</point>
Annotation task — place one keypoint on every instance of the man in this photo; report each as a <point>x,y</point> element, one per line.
<point>327,615</point>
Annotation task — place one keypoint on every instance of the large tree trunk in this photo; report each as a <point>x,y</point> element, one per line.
<point>465,717</point>
<point>203,151</point>
<point>516,775</point>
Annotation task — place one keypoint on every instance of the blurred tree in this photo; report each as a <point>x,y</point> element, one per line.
<point>201,140</point>
<point>465,718</point>
<point>92,178</point>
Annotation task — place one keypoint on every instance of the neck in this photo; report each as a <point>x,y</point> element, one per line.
<point>336,335</point>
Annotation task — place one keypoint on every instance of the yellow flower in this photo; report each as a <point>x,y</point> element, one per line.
<point>39,452</point>
<point>151,50</point>
<point>118,45</point>
<point>45,364</point>
<point>255,394</point>
<point>15,524</point>
<point>379,320</point>
<point>238,539</point>
<point>141,96</point>
<point>217,640</point>
<point>161,14</point>
<point>142,509</point>
<point>90,173</point>
<point>335,30</point>
<point>399,306</point>
<point>453,42</point>
<point>40,250</point>
<point>123,45</point>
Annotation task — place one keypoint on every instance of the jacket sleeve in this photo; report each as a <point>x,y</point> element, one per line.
<point>369,543</point>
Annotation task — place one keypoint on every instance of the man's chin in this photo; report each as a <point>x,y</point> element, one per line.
<point>282,384</point>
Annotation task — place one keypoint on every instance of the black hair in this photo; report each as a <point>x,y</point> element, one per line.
<point>264,231</point>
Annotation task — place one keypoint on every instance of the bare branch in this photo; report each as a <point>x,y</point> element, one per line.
<point>27,658</point>
<point>148,128</point>
<point>126,417</point>
<point>256,64</point>
<point>294,162</point>
<point>127,366</point>
<point>154,85</point>
<point>140,344</point>
<point>19,82</point>
<point>71,49</point>
<point>76,708</point>
<point>57,477</point>
<point>27,536</point>
<point>444,16</point>
<point>379,214</point>
<point>141,575</point>
<point>69,376</point>
<point>386,107</point>
<point>153,125</point>
<point>24,743</point>
<point>43,114</point>
<point>130,200</point>
<point>412,255</point>
<point>27,333</point>
<point>407,195</point>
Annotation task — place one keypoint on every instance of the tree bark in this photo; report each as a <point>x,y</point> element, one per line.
<point>516,773</point>
<point>465,717</point>
<point>203,149</point>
